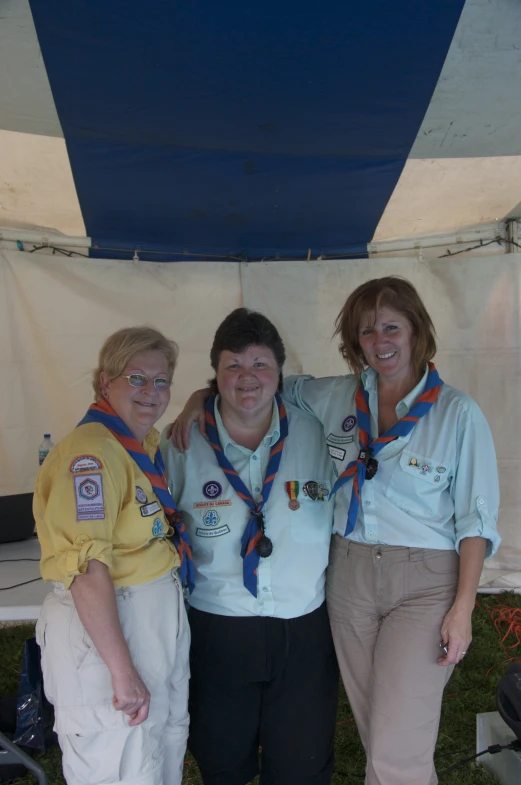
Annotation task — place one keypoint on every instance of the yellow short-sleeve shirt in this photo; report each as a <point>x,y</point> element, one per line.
<point>92,501</point>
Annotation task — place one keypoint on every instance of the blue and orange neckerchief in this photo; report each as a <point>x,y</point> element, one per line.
<point>254,531</point>
<point>103,413</point>
<point>366,465</point>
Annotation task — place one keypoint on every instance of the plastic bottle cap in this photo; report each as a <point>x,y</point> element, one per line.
<point>47,436</point>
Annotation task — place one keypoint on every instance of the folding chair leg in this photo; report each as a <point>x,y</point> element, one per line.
<point>10,753</point>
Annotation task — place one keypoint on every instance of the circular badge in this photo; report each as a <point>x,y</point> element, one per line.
<point>212,489</point>
<point>349,423</point>
<point>140,495</point>
<point>294,504</point>
<point>157,528</point>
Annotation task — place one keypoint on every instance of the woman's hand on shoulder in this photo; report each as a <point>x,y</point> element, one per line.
<point>131,695</point>
<point>193,412</point>
<point>456,633</point>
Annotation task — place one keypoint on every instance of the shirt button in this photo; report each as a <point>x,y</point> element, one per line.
<point>254,457</point>
<point>367,503</point>
<point>264,588</point>
<point>257,489</point>
<point>481,500</point>
<point>378,555</point>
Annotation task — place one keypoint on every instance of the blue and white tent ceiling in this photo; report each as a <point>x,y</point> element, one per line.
<point>256,130</point>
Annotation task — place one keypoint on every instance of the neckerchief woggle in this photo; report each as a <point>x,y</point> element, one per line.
<point>103,413</point>
<point>357,470</point>
<point>253,532</point>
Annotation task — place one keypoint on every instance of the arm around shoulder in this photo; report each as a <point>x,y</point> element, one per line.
<point>312,395</point>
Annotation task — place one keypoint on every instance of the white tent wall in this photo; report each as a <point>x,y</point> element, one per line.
<point>55,312</point>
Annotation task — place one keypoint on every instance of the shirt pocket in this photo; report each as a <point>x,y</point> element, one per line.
<point>417,484</point>
<point>311,520</point>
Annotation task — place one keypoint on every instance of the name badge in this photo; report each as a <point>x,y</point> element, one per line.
<point>150,509</point>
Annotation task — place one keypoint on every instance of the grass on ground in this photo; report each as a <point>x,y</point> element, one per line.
<point>470,691</point>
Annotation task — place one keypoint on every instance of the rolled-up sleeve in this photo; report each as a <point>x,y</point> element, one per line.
<point>475,486</point>
<point>78,514</point>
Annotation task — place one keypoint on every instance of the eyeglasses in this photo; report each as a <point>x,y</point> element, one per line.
<point>140,380</point>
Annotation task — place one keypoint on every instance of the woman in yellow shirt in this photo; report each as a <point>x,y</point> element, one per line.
<point>113,633</point>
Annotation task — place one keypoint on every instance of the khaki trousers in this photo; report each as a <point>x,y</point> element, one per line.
<point>386,606</point>
<point>98,745</point>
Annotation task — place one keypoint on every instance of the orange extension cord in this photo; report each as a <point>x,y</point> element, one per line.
<point>507,623</point>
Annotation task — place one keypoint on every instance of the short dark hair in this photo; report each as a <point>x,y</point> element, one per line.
<point>393,292</point>
<point>243,328</point>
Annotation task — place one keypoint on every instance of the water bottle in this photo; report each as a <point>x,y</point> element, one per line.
<point>44,447</point>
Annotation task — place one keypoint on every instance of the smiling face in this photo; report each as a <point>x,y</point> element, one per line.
<point>387,339</point>
<point>248,380</point>
<point>138,407</point>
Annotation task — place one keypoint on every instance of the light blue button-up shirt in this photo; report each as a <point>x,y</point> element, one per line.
<point>291,582</point>
<point>434,487</point>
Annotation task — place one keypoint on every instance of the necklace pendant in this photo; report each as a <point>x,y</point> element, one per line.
<point>264,547</point>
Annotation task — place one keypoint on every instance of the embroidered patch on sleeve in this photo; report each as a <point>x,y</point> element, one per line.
<point>141,495</point>
<point>89,497</point>
<point>85,463</point>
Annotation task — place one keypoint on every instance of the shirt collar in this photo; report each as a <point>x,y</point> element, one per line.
<point>370,382</point>
<point>272,435</point>
<point>150,443</point>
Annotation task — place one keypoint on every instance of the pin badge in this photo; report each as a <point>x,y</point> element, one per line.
<point>311,489</point>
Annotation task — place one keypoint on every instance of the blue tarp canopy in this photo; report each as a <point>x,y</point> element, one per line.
<point>253,130</point>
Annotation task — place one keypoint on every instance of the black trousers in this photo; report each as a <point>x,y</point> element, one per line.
<point>261,681</point>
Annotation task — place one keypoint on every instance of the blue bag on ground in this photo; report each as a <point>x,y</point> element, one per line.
<point>34,713</point>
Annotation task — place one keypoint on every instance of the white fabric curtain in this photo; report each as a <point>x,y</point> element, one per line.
<point>55,313</point>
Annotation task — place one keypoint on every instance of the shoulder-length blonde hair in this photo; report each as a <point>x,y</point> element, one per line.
<point>122,345</point>
<point>393,292</point>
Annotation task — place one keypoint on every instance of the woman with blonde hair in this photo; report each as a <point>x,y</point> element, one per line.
<point>113,633</point>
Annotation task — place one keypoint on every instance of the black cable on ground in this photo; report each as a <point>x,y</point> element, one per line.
<point>492,750</point>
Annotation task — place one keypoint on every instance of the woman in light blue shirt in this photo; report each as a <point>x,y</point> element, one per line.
<point>255,500</point>
<point>416,504</point>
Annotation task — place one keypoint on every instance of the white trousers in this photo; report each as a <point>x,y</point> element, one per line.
<point>98,746</point>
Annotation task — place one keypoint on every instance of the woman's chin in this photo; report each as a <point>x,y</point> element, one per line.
<point>252,405</point>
